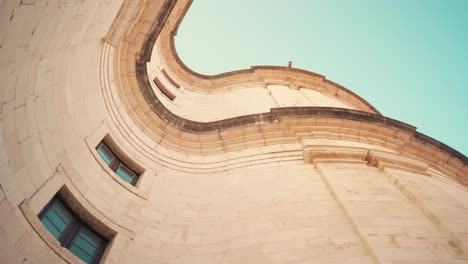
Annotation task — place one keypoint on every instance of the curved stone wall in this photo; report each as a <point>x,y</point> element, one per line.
<point>278,185</point>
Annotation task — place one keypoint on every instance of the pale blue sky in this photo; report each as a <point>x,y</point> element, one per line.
<point>407,58</point>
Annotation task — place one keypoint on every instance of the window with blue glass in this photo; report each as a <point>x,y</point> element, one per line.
<point>116,164</point>
<point>72,232</point>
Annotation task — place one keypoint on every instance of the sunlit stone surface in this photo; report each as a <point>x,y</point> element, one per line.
<point>314,174</point>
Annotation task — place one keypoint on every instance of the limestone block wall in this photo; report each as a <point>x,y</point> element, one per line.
<point>394,227</point>
<point>275,213</point>
<point>50,103</point>
<point>297,185</point>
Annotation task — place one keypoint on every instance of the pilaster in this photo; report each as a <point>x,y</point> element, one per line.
<point>395,222</point>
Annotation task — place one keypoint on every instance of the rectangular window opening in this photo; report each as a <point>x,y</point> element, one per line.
<point>125,171</point>
<point>164,90</point>
<point>72,232</point>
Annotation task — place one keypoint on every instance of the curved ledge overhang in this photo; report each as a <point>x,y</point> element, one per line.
<point>167,129</point>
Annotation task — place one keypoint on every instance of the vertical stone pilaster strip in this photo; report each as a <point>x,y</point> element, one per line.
<point>391,226</point>
<point>425,208</point>
<point>364,242</point>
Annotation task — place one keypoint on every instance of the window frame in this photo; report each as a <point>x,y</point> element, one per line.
<point>146,175</point>
<point>116,162</point>
<point>73,229</point>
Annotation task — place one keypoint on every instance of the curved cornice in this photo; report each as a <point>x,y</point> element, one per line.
<point>167,129</point>
<point>273,115</point>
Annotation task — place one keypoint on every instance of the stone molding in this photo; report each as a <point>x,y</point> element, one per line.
<point>314,154</point>
<point>381,160</point>
<point>186,136</point>
<point>376,158</point>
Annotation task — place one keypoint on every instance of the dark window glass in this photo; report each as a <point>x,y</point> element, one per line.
<point>125,173</point>
<point>72,232</point>
<point>85,244</point>
<point>116,164</point>
<point>105,154</point>
<point>56,219</point>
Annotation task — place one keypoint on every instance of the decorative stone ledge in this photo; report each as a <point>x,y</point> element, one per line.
<point>373,157</point>
<point>381,160</point>
<point>313,154</point>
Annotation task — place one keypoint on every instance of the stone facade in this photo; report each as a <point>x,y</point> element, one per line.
<point>265,165</point>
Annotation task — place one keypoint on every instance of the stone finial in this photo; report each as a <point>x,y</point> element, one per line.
<point>289,65</point>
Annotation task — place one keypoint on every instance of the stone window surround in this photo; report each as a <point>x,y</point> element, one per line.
<point>103,134</point>
<point>47,237</point>
<point>31,207</point>
<point>115,163</point>
<point>73,228</point>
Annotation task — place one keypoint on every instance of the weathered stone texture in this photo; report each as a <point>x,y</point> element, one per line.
<point>324,179</point>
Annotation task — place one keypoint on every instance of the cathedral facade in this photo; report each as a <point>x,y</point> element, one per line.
<point>113,151</point>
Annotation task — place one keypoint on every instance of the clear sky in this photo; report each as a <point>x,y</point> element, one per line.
<point>407,58</point>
